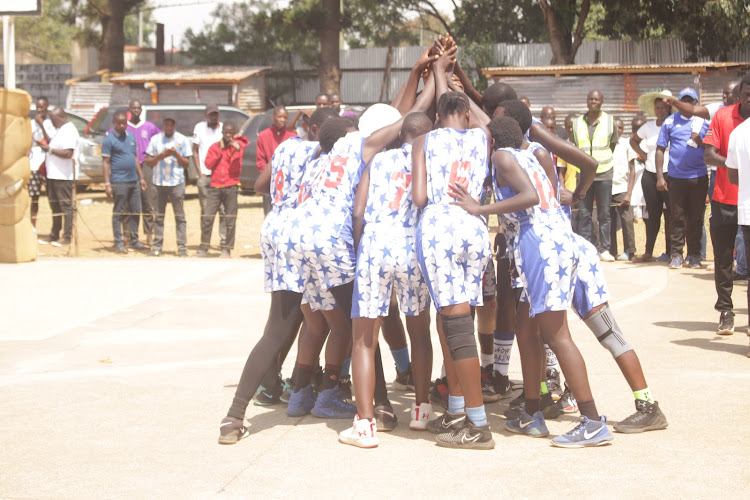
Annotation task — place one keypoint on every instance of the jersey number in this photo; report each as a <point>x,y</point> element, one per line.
<point>337,169</point>
<point>403,181</point>
<point>460,171</point>
<point>278,183</point>
<point>546,193</point>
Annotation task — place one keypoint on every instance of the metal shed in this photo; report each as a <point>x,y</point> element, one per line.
<point>566,87</point>
<point>240,86</point>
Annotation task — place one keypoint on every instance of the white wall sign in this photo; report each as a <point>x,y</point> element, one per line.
<point>20,7</point>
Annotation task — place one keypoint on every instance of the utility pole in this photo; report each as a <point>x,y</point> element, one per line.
<point>9,52</point>
<point>140,28</point>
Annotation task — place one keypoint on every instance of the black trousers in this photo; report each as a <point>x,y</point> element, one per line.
<point>655,202</point>
<point>746,236</point>
<point>723,226</point>
<point>220,197</point>
<point>687,202</point>
<point>625,216</point>
<point>60,196</point>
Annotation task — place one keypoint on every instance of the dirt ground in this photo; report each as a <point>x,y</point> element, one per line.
<point>94,224</point>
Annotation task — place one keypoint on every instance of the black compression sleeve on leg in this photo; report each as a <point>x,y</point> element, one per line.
<point>459,335</point>
<point>343,296</point>
<point>282,324</point>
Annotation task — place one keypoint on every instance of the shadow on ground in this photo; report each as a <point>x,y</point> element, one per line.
<point>714,344</point>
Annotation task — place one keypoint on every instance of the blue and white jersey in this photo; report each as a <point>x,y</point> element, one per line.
<point>532,148</point>
<point>547,211</point>
<point>288,166</point>
<point>528,131</point>
<point>167,172</point>
<point>340,173</point>
<point>389,197</point>
<point>455,157</point>
<point>310,176</point>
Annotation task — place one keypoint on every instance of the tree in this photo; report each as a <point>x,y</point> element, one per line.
<point>47,37</point>
<point>490,21</point>
<point>564,22</point>
<point>101,24</point>
<point>329,72</point>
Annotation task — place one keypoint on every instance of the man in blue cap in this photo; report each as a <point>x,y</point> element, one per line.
<point>687,181</point>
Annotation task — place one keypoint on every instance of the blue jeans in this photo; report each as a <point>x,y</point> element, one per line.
<point>602,192</point>
<point>127,200</point>
<point>739,247</point>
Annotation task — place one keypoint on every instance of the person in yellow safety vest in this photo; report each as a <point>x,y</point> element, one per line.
<point>594,132</point>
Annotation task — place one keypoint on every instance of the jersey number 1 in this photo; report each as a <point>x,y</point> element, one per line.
<point>403,180</point>
<point>460,174</point>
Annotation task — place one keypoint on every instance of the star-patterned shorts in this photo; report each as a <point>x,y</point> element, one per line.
<point>317,252</point>
<point>272,262</point>
<point>453,248</point>
<point>387,260</point>
<point>590,288</point>
<point>547,260</point>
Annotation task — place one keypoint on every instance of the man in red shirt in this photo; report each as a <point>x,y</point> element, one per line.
<point>268,141</point>
<point>224,159</point>
<point>723,221</point>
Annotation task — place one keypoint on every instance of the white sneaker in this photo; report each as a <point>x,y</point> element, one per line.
<point>605,256</point>
<point>420,416</point>
<point>363,433</point>
<point>623,257</point>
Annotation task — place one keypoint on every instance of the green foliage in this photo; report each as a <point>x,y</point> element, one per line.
<point>90,16</point>
<point>373,23</point>
<point>492,21</point>
<point>475,56</point>
<point>47,36</point>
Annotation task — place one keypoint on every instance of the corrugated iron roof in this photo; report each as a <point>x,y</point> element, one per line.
<point>194,74</point>
<point>602,69</point>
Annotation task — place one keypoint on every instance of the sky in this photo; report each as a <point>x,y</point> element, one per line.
<point>196,13</point>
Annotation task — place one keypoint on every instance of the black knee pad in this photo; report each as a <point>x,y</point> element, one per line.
<point>459,335</point>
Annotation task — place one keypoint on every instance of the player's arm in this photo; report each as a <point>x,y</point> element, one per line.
<point>568,152</point>
<point>687,109</point>
<point>360,205</point>
<point>384,136</point>
<point>635,143</point>
<point>418,173</point>
<point>545,160</point>
<point>474,94</point>
<point>511,174</point>
<point>440,71</point>
<point>407,94</point>
<point>712,157</point>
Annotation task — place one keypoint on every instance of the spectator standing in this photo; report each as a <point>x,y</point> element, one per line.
<point>123,180</point>
<point>738,172</point>
<point>594,132</point>
<point>143,131</point>
<point>41,131</point>
<point>322,100</point>
<point>168,154</point>
<point>336,105</point>
<point>548,112</point>
<point>60,167</point>
<point>723,223</point>
<point>688,180</point>
<point>623,180</point>
<point>224,159</point>
<point>205,134</point>
<point>268,140</point>
<point>644,144</point>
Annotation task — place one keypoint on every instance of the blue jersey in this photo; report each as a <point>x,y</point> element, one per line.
<point>547,211</point>
<point>288,166</point>
<point>341,170</point>
<point>389,197</point>
<point>455,157</point>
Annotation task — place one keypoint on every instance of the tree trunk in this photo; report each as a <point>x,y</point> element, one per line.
<point>113,37</point>
<point>385,85</point>
<point>329,73</point>
<point>563,41</point>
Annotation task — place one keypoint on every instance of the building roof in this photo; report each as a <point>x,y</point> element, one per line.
<point>194,74</point>
<point>604,69</point>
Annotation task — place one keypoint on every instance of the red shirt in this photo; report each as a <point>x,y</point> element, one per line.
<point>268,141</point>
<point>725,120</point>
<point>225,163</point>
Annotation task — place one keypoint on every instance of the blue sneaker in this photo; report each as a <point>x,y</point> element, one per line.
<point>301,402</point>
<point>586,433</point>
<point>331,405</point>
<point>676,262</point>
<point>531,425</point>
<point>662,258</point>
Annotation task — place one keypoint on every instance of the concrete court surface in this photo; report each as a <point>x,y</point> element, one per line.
<point>115,373</point>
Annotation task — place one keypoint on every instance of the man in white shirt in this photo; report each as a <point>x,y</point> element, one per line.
<point>623,181</point>
<point>61,176</point>
<point>205,134</point>
<point>41,130</point>
<point>738,172</point>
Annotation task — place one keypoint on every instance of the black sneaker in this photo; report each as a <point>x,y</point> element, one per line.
<point>469,436</point>
<point>503,387</point>
<point>739,276</point>
<point>553,383</point>
<point>345,388</point>
<point>182,253</point>
<point>269,396</point>
<point>232,430</point>
<point>120,248</point>
<point>385,417</point>
<point>404,381</point>
<point>726,323</point>
<point>647,417</point>
<point>488,386</point>
<point>447,423</point>
<point>139,247</point>
<point>286,393</point>
<point>548,407</point>
<point>567,403</point>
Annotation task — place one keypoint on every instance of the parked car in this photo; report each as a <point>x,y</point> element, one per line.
<point>186,115</point>
<point>79,122</point>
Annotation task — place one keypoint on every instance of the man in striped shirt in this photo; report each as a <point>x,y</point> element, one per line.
<point>169,154</point>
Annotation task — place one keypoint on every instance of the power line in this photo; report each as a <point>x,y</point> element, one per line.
<point>186,4</point>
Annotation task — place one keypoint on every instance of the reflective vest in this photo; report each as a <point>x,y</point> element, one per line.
<point>598,146</point>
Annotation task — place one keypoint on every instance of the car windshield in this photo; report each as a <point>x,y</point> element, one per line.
<point>102,122</point>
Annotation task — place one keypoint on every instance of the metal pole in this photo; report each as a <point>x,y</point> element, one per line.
<point>9,52</point>
<point>140,28</point>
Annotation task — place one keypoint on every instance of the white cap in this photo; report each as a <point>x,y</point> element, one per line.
<point>376,117</point>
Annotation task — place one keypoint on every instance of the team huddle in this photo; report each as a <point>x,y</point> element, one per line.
<point>394,214</point>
